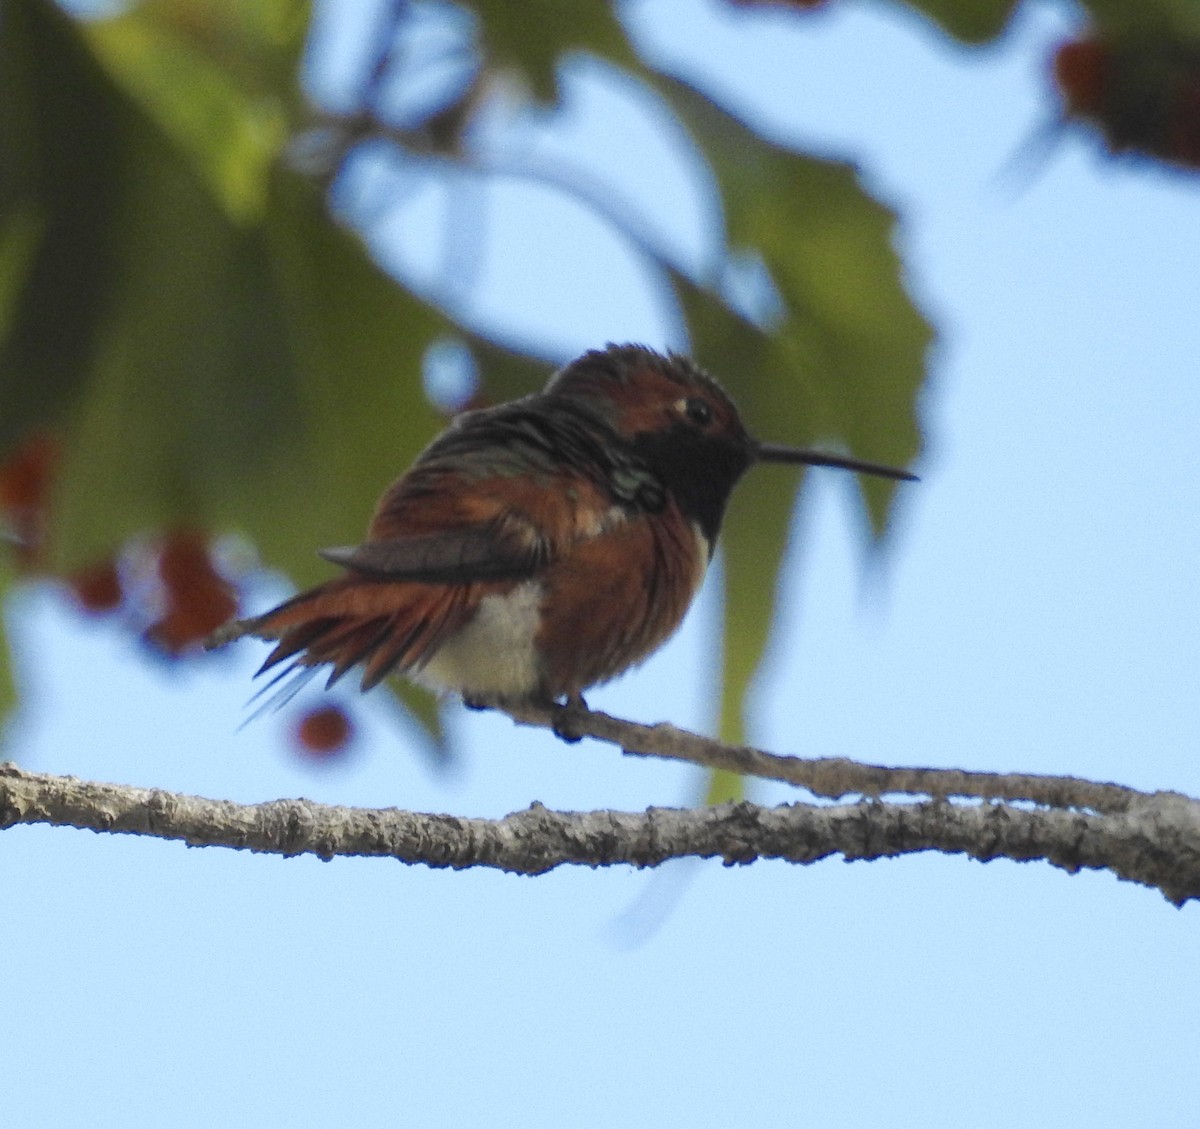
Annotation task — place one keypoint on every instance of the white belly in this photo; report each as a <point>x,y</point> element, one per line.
<point>493,656</point>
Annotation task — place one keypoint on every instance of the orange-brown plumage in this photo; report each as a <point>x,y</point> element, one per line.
<point>541,546</point>
<point>381,624</point>
<point>615,599</point>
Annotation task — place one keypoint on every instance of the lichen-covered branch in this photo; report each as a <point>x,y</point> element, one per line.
<point>1156,842</point>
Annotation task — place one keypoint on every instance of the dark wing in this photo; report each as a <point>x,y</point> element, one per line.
<point>454,556</point>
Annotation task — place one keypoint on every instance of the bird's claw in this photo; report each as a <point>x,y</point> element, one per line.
<point>567,717</point>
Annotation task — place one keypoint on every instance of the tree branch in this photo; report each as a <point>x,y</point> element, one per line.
<point>1156,842</point>
<point>829,777</point>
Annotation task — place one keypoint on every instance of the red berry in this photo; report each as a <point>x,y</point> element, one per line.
<point>324,731</point>
<point>198,598</point>
<point>1141,92</point>
<point>1083,71</point>
<point>26,479</point>
<point>97,588</point>
<point>1183,133</point>
<point>26,474</point>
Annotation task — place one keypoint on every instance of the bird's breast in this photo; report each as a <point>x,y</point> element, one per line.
<point>494,654</point>
<point>616,598</point>
<point>598,608</point>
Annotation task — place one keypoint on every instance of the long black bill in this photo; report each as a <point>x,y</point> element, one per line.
<point>776,453</point>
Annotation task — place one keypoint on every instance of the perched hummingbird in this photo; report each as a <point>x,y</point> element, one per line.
<point>541,546</point>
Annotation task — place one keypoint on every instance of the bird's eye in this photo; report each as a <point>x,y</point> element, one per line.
<point>698,411</point>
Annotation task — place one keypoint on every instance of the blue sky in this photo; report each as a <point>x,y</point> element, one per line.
<point>1035,609</point>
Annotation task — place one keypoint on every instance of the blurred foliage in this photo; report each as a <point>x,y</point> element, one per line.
<point>214,349</point>
<point>972,21</point>
<point>8,678</point>
<point>1175,19</point>
<point>531,37</point>
<point>980,21</point>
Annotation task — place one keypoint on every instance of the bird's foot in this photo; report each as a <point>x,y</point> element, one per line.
<point>567,717</point>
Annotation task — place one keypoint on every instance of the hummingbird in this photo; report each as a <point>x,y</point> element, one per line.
<point>541,546</point>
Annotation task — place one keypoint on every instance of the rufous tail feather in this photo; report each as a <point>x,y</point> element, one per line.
<point>350,621</point>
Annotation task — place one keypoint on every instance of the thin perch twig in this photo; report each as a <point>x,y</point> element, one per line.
<point>829,777</point>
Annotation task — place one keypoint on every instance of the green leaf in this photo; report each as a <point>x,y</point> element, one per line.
<point>274,386</point>
<point>756,526</point>
<point>257,372</point>
<point>425,708</point>
<point>212,348</point>
<point>978,21</point>
<point>232,137</point>
<point>264,376</point>
<point>59,161</point>
<point>190,389</point>
<point>973,21</point>
<point>503,374</point>
<point>21,233</point>
<point>257,43</point>
<point>841,363</point>
<point>358,340</point>
<point>530,37</point>
<point>724,787</point>
<point>1150,19</point>
<point>846,357</point>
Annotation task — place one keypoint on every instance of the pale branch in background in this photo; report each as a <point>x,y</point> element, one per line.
<point>1151,839</point>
